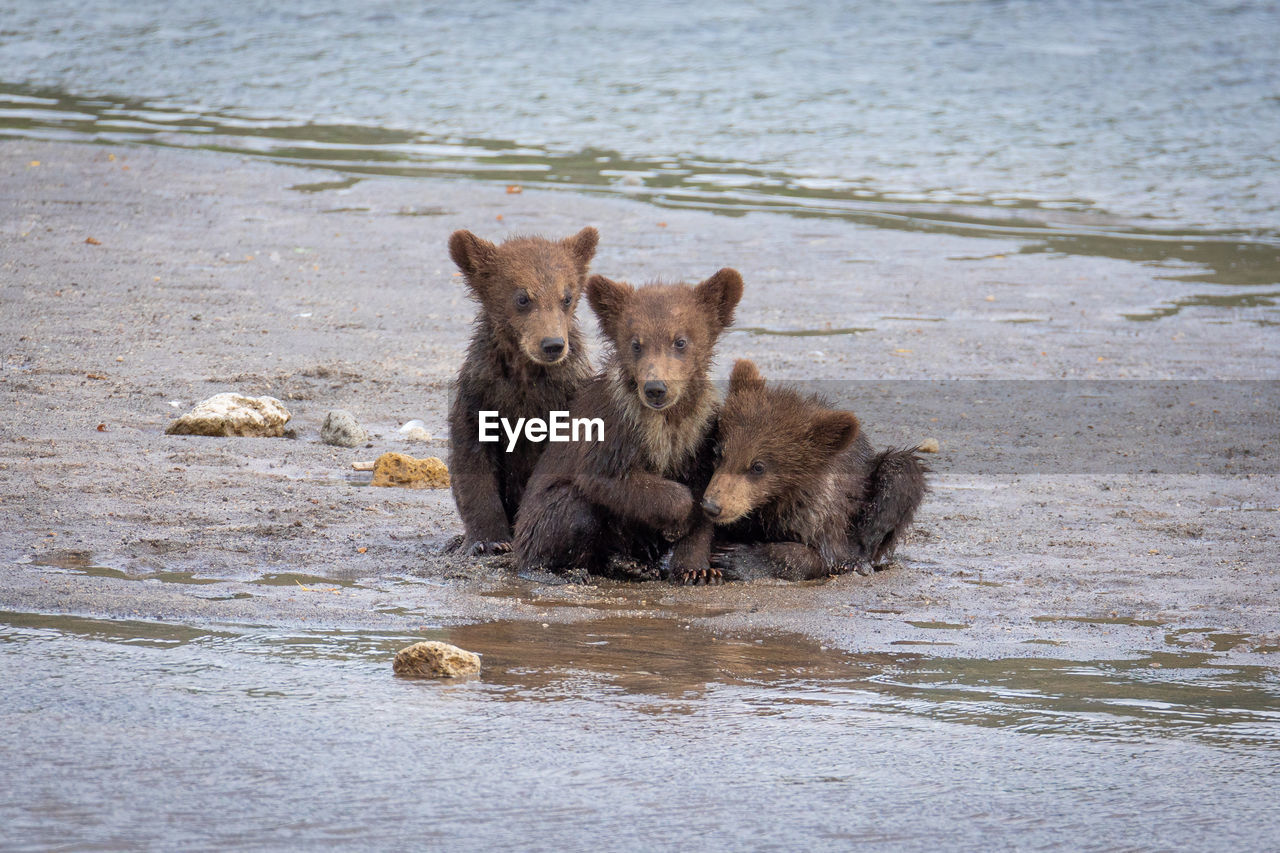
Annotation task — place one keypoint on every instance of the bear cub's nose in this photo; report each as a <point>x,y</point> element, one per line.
<point>711,508</point>
<point>552,347</point>
<point>655,391</point>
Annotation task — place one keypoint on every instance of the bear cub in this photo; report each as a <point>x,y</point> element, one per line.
<point>798,492</point>
<point>625,501</point>
<point>525,359</point>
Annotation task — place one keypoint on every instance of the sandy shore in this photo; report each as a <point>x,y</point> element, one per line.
<point>209,273</point>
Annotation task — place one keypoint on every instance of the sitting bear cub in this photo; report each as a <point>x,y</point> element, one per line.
<point>631,498</point>
<point>526,359</point>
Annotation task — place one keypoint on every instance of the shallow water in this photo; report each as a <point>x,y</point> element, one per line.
<point>645,732</point>
<point>1139,130</point>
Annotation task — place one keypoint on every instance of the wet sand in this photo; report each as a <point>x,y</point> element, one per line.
<point>210,273</point>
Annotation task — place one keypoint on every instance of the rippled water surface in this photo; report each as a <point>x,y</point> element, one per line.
<point>624,732</point>
<point>1092,118</point>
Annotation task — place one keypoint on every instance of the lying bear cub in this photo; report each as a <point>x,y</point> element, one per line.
<point>798,492</point>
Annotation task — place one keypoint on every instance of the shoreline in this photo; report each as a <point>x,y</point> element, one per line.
<point>212,272</point>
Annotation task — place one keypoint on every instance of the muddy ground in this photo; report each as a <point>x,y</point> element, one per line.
<point>137,281</point>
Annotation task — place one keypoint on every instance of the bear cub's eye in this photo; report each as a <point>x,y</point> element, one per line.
<point>568,297</point>
<point>635,347</point>
<point>681,343</point>
<point>757,467</point>
<point>522,299</point>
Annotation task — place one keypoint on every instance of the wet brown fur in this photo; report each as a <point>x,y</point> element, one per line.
<point>632,495</point>
<point>528,290</point>
<point>798,491</point>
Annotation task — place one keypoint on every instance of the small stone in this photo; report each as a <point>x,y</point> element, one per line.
<point>343,430</point>
<point>415,430</point>
<point>396,469</point>
<point>433,659</point>
<point>233,415</point>
<point>929,445</point>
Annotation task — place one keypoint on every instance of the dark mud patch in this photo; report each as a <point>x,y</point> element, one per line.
<point>1207,300</point>
<point>913,319</point>
<point>83,563</point>
<point>1102,620</point>
<point>326,186</point>
<point>800,333</point>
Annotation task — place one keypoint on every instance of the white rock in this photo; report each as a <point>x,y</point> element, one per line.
<point>415,430</point>
<point>233,414</point>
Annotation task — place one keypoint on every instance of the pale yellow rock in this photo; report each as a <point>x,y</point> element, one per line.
<point>396,469</point>
<point>929,445</point>
<point>233,415</point>
<point>433,659</point>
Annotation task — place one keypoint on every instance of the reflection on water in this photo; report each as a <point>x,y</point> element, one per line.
<point>1167,693</point>
<point>1151,109</point>
<point>27,627</point>
<point>1230,257</point>
<point>573,733</point>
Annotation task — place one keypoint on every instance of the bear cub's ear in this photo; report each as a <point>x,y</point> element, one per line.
<point>745,377</point>
<point>833,432</point>
<point>582,246</point>
<point>720,295</point>
<point>470,253</point>
<point>608,299</point>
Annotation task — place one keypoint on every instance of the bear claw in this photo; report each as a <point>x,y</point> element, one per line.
<point>480,547</point>
<point>711,576</point>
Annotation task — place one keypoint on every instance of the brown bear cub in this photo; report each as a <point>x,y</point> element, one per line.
<point>798,492</point>
<point>525,360</point>
<point>624,501</point>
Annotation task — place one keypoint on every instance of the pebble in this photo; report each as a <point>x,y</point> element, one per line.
<point>929,445</point>
<point>415,430</point>
<point>343,430</point>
